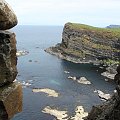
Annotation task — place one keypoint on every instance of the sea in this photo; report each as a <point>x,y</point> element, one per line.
<point>43,70</point>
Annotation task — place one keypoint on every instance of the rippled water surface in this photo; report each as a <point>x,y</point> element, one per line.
<point>43,70</point>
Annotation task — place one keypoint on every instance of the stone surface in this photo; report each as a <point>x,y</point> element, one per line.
<point>109,110</point>
<point>8,18</point>
<point>8,59</point>
<point>10,100</point>
<point>117,76</point>
<point>86,44</point>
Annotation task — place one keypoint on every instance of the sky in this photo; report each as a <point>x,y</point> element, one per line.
<point>98,13</point>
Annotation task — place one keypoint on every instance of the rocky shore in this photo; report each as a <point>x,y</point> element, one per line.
<point>10,92</point>
<point>109,110</point>
<point>87,44</point>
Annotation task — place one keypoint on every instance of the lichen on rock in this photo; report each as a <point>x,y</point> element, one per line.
<point>8,18</point>
<point>8,59</point>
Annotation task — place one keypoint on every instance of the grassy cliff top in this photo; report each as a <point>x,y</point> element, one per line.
<point>111,32</point>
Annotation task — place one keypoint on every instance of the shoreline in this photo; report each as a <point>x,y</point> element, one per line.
<point>69,58</point>
<point>57,53</point>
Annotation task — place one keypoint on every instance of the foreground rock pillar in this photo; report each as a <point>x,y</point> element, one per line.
<point>8,18</point>
<point>10,100</point>
<point>8,59</point>
<point>10,92</point>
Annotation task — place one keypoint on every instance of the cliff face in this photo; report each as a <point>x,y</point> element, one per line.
<point>82,43</point>
<point>110,110</point>
<point>10,92</point>
<point>8,59</point>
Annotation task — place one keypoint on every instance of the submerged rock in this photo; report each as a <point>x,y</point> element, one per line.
<point>60,115</point>
<point>22,53</point>
<point>83,80</point>
<point>50,92</point>
<point>8,59</point>
<point>73,78</point>
<point>10,101</point>
<point>80,113</point>
<point>67,72</point>
<point>103,95</point>
<point>8,18</point>
<point>108,75</point>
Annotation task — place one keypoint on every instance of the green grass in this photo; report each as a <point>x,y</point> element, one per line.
<point>110,62</point>
<point>108,32</point>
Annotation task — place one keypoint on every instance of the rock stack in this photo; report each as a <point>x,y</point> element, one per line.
<point>10,92</point>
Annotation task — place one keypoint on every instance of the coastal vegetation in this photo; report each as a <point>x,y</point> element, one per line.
<point>108,32</point>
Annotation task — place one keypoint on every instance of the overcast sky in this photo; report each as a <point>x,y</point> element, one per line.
<point>57,12</point>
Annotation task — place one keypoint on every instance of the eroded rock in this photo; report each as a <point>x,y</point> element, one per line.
<point>10,100</point>
<point>109,110</point>
<point>8,18</point>
<point>83,80</point>
<point>49,92</point>
<point>103,95</point>
<point>60,115</point>
<point>8,59</point>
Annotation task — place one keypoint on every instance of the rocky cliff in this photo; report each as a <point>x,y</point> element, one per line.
<point>109,110</point>
<point>87,44</point>
<point>8,59</point>
<point>10,92</point>
<point>83,43</point>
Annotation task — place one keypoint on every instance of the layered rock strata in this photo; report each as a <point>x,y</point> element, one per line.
<point>85,44</point>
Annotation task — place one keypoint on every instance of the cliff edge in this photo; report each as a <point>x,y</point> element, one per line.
<point>87,44</point>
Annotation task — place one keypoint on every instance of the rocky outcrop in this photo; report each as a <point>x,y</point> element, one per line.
<point>117,76</point>
<point>109,110</point>
<point>85,44</point>
<point>8,59</point>
<point>10,100</point>
<point>10,92</point>
<point>7,17</point>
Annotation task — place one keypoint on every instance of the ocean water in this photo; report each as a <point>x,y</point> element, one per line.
<point>47,71</point>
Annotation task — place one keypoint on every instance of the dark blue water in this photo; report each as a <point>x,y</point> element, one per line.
<point>48,72</point>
